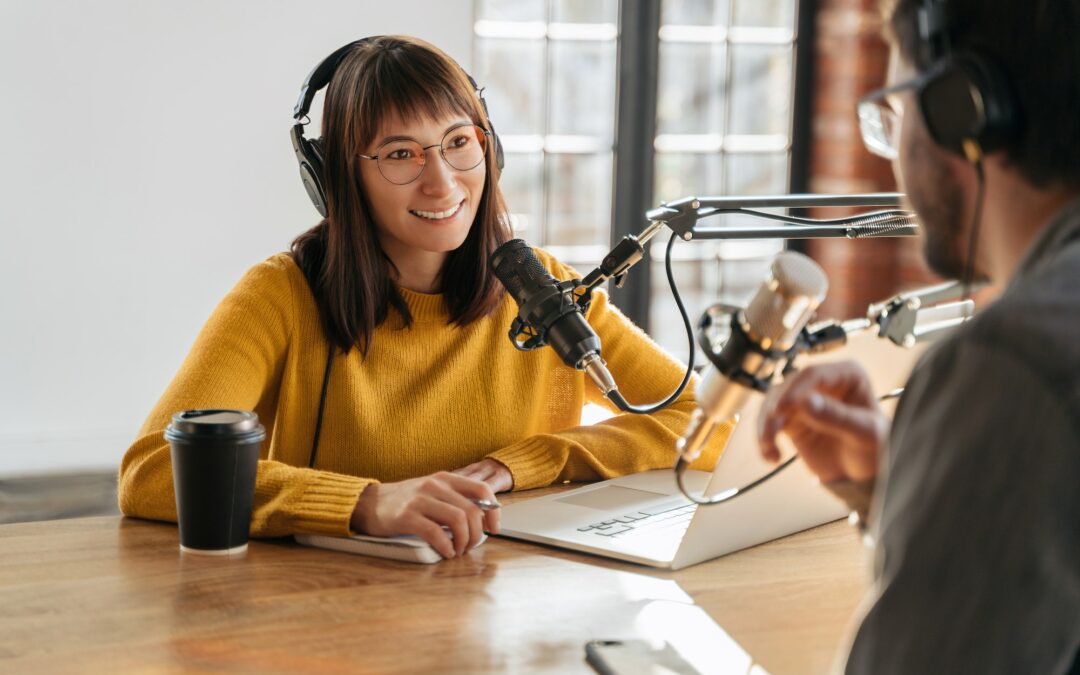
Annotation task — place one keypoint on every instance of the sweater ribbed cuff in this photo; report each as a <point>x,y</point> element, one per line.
<point>327,503</point>
<point>531,462</point>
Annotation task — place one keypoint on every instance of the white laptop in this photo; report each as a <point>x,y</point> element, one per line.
<point>643,518</point>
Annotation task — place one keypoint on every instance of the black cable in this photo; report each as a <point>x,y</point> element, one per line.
<point>973,239</point>
<point>729,494</point>
<point>617,398</point>
<point>322,404</point>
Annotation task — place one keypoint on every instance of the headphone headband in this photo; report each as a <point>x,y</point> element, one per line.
<point>934,29</point>
<point>320,76</point>
<point>965,99</point>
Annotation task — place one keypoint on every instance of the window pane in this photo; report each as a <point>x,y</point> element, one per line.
<point>512,74</point>
<point>583,89</point>
<point>511,10</point>
<point>760,89</point>
<point>691,88</point>
<point>579,199</point>
<point>771,13</point>
<point>688,175</point>
<point>757,174</point>
<point>585,11</point>
<point>522,184</point>
<point>695,12</point>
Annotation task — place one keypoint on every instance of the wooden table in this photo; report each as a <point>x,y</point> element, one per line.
<point>114,594</point>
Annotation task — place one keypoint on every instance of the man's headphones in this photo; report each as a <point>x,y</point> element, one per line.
<point>309,152</point>
<point>965,100</point>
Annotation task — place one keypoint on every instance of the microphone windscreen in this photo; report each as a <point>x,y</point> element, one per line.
<point>785,302</point>
<point>520,271</point>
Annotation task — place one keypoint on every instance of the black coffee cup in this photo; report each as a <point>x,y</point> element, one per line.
<point>215,454</point>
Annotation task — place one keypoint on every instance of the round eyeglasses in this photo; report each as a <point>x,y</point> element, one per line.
<point>402,160</point>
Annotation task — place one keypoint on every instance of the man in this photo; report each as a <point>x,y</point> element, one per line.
<point>975,502</point>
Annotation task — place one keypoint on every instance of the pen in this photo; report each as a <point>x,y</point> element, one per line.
<point>487,504</point>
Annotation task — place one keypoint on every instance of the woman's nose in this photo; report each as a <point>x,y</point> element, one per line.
<point>438,177</point>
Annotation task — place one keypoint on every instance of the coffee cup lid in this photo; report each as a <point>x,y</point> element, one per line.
<point>215,422</point>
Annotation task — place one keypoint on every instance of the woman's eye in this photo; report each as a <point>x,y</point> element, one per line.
<point>459,141</point>
<point>400,153</point>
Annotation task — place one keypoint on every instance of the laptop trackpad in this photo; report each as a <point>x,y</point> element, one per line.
<point>610,498</point>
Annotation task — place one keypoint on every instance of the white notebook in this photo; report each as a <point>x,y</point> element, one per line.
<point>405,547</point>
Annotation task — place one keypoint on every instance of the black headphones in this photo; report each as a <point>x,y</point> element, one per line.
<point>965,100</point>
<point>309,152</point>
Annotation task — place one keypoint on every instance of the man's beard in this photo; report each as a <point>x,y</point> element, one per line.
<point>937,197</point>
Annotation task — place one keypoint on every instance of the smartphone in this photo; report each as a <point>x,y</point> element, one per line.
<point>636,657</point>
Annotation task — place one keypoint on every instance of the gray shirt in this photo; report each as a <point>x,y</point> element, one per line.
<point>978,524</point>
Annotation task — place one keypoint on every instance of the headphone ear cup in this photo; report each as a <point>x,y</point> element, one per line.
<point>315,155</point>
<point>965,98</point>
<point>500,159</point>
<point>1002,121</point>
<point>309,155</point>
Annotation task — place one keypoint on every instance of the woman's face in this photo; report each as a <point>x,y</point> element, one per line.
<point>430,216</point>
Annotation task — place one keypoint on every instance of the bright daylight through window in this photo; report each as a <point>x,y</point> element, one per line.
<point>724,99</point>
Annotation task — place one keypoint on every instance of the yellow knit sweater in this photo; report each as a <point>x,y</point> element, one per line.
<point>428,398</point>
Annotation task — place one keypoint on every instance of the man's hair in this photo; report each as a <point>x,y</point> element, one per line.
<point>1035,44</point>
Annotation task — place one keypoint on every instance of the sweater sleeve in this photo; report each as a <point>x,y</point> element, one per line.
<point>237,363</point>
<point>627,443</point>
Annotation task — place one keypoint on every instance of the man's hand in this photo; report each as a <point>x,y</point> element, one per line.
<point>491,472</point>
<point>423,507</point>
<point>830,413</point>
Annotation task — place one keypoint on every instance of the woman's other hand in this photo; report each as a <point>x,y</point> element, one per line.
<point>424,506</point>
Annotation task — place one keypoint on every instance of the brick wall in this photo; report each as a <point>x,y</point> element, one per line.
<point>851,59</point>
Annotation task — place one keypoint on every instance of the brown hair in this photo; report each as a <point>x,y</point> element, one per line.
<point>341,257</point>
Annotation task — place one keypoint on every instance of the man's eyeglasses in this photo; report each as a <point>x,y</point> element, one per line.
<point>879,122</point>
<point>401,161</point>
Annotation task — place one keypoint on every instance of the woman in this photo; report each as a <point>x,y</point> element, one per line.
<point>391,302</point>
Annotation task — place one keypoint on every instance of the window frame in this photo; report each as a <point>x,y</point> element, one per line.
<point>633,181</point>
<point>634,162</point>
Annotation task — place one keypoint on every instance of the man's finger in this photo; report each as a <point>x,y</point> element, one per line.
<point>827,415</point>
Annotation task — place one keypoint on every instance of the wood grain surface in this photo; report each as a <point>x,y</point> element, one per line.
<point>111,594</point>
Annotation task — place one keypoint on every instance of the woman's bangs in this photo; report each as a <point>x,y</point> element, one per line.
<point>412,98</point>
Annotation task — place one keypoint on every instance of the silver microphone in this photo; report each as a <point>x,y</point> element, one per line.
<point>769,326</point>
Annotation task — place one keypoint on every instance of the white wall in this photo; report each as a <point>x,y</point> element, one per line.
<point>145,166</point>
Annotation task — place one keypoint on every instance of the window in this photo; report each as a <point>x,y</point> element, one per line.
<point>724,105</point>
<point>725,96</point>
<point>549,68</point>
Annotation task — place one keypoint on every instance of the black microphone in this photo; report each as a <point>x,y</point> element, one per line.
<point>549,311</point>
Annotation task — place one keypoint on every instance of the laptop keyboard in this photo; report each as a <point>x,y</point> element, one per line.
<point>666,516</point>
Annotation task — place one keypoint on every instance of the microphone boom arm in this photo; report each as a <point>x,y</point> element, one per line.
<point>682,216</point>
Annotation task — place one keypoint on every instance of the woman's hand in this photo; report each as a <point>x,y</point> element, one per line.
<point>831,415</point>
<point>491,472</point>
<point>423,507</point>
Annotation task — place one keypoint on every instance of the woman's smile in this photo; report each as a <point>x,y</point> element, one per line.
<point>439,215</point>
